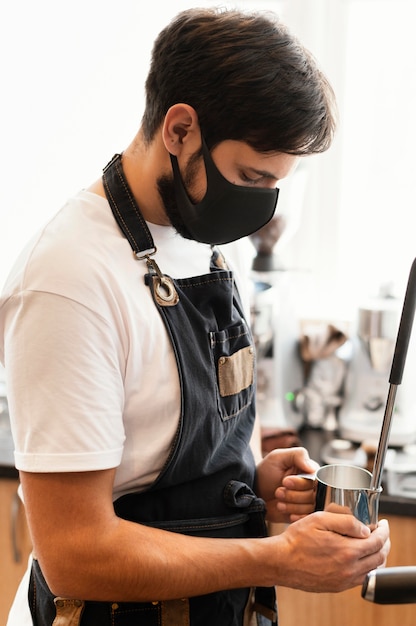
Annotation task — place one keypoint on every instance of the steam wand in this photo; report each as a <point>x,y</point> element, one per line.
<point>396,374</point>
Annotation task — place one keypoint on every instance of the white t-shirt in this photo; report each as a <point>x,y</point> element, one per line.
<point>91,376</point>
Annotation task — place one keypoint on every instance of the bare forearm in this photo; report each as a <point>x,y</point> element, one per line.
<point>131,562</point>
<point>86,552</point>
<point>136,563</point>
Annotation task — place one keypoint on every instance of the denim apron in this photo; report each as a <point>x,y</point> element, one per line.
<point>206,486</point>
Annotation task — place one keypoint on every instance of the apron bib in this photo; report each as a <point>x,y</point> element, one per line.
<point>206,485</point>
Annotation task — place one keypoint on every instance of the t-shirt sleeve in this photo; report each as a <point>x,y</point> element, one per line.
<point>64,385</point>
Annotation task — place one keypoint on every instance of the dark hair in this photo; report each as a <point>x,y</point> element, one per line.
<point>247,77</point>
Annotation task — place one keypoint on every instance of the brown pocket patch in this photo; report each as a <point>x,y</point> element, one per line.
<point>236,372</point>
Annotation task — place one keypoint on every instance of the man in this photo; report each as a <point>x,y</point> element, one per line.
<point>131,369</point>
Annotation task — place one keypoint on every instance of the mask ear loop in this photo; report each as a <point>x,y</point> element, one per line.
<point>212,174</point>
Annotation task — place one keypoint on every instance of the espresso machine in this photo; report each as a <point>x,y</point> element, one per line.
<point>366,385</point>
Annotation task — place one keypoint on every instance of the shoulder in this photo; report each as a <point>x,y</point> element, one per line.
<point>79,254</point>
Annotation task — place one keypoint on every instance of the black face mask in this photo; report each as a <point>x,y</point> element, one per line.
<point>227,212</point>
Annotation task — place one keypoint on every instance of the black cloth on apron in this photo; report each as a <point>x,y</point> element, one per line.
<point>206,485</point>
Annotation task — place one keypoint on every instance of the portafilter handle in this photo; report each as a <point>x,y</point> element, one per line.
<point>390,585</point>
<point>396,373</point>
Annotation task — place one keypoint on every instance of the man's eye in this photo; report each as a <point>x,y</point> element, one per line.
<point>248,179</point>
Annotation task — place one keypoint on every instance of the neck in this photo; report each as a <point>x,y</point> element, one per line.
<point>142,165</point>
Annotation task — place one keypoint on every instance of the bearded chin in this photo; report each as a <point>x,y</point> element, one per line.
<point>166,191</point>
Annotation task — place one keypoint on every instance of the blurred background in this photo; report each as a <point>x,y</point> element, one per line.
<point>72,95</point>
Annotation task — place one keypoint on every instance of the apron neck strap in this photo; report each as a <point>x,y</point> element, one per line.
<point>125,209</point>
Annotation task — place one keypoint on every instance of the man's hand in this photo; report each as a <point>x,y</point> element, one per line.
<point>331,552</point>
<point>288,497</point>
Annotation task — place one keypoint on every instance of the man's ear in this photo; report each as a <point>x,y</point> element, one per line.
<point>180,131</point>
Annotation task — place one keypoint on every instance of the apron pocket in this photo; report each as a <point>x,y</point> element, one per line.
<point>235,372</point>
<point>234,363</point>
